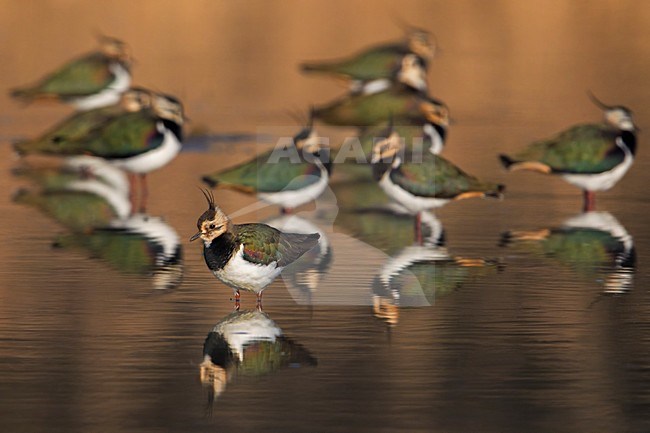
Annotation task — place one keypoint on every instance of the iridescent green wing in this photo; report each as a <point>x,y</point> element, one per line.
<point>261,243</point>
<point>270,172</point>
<point>243,175</point>
<point>75,127</point>
<point>127,135</point>
<point>589,148</point>
<point>79,124</point>
<point>287,176</point>
<point>437,177</point>
<point>264,244</point>
<point>368,110</point>
<point>120,136</point>
<point>377,62</point>
<point>84,76</point>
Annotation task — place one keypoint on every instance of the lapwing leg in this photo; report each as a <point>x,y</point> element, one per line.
<point>589,201</point>
<point>418,228</point>
<point>237,299</point>
<point>144,193</point>
<point>132,186</point>
<point>259,301</point>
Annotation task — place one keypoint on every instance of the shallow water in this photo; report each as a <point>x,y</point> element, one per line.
<point>489,332</point>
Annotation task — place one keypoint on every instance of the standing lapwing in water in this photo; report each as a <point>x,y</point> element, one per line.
<point>404,99</point>
<point>375,67</point>
<point>247,256</point>
<point>423,181</point>
<point>137,140</point>
<point>288,177</point>
<point>593,156</point>
<point>90,81</point>
<point>81,123</point>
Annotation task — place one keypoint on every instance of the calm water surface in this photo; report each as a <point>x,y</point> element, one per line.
<point>519,315</point>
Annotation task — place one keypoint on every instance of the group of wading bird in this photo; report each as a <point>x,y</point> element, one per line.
<point>402,131</point>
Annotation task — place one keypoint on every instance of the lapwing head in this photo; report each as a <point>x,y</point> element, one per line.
<point>435,112</point>
<point>620,117</point>
<point>212,223</point>
<point>168,107</point>
<point>386,147</point>
<point>114,48</point>
<point>136,99</point>
<point>418,42</point>
<point>412,72</point>
<point>616,115</point>
<point>308,141</point>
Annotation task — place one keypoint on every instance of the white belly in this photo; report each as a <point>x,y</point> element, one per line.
<point>110,95</point>
<point>374,86</point>
<point>294,198</point>
<point>437,144</point>
<point>602,181</point>
<point>152,159</point>
<point>412,203</point>
<point>243,275</point>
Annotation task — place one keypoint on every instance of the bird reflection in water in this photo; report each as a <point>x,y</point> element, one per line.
<point>418,274</point>
<point>79,202</point>
<point>141,244</point>
<point>97,212</point>
<point>247,343</point>
<point>595,244</point>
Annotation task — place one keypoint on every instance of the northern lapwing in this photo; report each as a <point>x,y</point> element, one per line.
<point>400,102</point>
<point>290,176</point>
<point>136,141</point>
<point>247,256</point>
<point>375,66</point>
<point>81,123</point>
<point>93,80</point>
<point>420,181</point>
<point>425,134</point>
<point>593,156</point>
